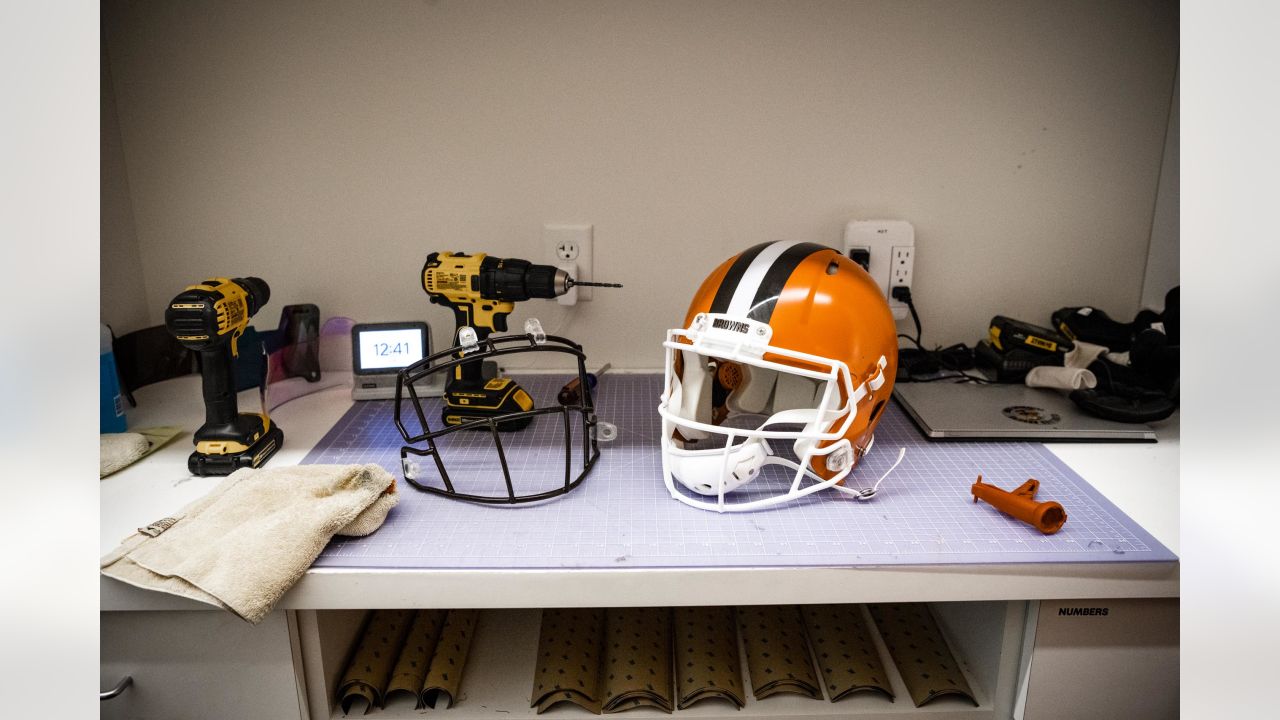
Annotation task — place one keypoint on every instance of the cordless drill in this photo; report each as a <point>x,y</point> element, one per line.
<point>209,318</point>
<point>482,290</point>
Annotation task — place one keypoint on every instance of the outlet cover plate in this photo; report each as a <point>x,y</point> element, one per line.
<point>554,235</point>
<point>881,237</point>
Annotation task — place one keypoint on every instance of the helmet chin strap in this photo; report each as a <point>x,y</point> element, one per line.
<point>868,493</point>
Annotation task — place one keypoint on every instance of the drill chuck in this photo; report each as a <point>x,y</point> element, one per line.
<point>516,280</point>
<point>257,292</point>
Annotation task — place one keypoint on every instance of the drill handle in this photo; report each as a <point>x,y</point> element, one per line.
<point>465,316</point>
<point>483,314</point>
<point>486,316</point>
<point>219,385</point>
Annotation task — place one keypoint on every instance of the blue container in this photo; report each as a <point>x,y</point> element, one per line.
<point>112,418</point>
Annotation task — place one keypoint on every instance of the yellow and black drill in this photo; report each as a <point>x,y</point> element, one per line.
<point>482,290</point>
<point>209,318</point>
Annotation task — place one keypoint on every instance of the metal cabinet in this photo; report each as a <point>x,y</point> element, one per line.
<point>200,664</point>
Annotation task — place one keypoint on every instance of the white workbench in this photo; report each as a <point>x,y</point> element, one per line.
<point>1142,479</point>
<point>295,657</point>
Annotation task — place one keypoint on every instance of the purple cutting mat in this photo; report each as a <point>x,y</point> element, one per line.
<point>622,515</point>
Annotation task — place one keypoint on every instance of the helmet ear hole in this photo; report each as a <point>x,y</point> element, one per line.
<point>875,411</point>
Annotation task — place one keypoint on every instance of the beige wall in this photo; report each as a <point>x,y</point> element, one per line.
<point>328,147</point>
<point>124,297</point>
<point>1163,253</point>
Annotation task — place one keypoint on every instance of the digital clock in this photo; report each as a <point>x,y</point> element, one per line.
<point>393,349</point>
<point>384,348</point>
<point>380,350</point>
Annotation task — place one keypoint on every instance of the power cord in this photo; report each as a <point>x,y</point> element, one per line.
<point>902,293</point>
<point>955,359</point>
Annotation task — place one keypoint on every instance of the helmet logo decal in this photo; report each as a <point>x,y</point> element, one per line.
<point>734,325</point>
<point>1031,415</point>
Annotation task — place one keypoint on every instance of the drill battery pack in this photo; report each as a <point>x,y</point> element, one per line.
<point>469,400</point>
<point>1007,334</point>
<point>204,464</point>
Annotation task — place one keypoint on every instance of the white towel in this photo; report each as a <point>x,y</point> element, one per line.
<point>1061,378</point>
<point>243,545</point>
<point>1082,354</point>
<point>1073,375</point>
<point>120,450</point>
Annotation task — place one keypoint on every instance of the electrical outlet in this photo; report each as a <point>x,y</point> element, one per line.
<point>571,245</point>
<point>890,245</point>
<point>903,259</point>
<point>567,251</point>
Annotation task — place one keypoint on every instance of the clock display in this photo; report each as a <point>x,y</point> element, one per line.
<point>389,349</point>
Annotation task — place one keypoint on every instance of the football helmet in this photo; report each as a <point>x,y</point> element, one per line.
<point>482,473</point>
<point>794,333</point>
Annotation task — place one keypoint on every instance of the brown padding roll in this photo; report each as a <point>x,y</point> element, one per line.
<point>777,654</point>
<point>845,650</point>
<point>410,671</point>
<point>569,656</point>
<point>370,667</point>
<point>444,675</point>
<point>706,656</point>
<point>924,661</point>
<point>637,659</point>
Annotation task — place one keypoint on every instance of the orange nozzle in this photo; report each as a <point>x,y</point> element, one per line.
<point>1047,517</point>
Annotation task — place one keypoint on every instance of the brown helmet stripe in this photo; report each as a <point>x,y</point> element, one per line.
<point>776,278</point>
<point>729,285</point>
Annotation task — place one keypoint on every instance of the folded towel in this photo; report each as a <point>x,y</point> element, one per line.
<point>120,450</point>
<point>1081,354</point>
<point>1072,374</point>
<point>1061,378</point>
<point>243,545</point>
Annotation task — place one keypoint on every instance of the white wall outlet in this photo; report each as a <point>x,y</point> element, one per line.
<point>571,244</point>
<point>903,260</point>
<point>567,250</point>
<point>891,244</point>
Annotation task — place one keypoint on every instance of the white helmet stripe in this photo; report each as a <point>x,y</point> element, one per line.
<point>745,293</point>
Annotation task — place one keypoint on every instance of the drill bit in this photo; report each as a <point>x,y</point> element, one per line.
<point>573,283</point>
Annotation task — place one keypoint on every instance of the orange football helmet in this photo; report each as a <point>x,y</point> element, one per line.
<point>796,333</point>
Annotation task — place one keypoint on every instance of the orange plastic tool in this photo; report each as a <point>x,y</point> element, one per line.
<point>1047,517</point>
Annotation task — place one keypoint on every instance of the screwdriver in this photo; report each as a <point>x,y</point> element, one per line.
<point>571,393</point>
